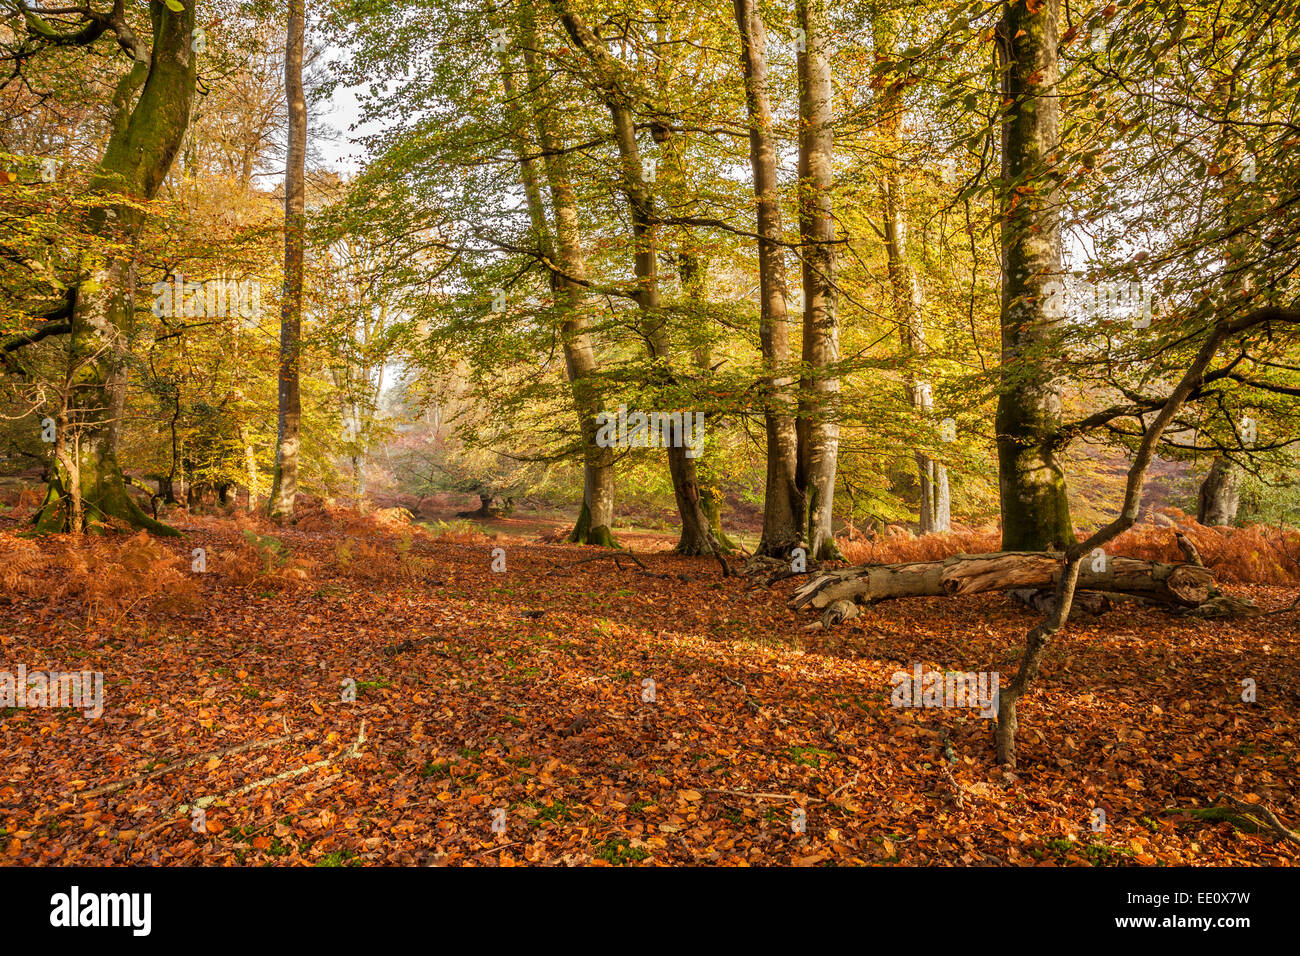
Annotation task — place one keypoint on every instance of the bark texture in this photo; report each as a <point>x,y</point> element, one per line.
<point>1035,510</point>
<point>87,487</point>
<point>818,427</point>
<point>1219,495</point>
<point>1184,585</point>
<point>284,479</point>
<point>783,504</point>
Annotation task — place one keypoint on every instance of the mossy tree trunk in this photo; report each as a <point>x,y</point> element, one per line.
<point>1031,480</point>
<point>87,487</point>
<point>1219,494</point>
<point>1037,640</point>
<point>711,502</point>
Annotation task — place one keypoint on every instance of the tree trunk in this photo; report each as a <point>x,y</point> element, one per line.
<point>1035,510</point>
<point>358,478</point>
<point>692,268</point>
<point>818,426</point>
<point>1219,495</point>
<point>908,298</point>
<point>942,499</point>
<point>1183,585</point>
<point>284,480</point>
<point>596,516</point>
<point>711,502</point>
<point>696,535</point>
<point>88,486</point>
<point>169,494</point>
<point>783,504</point>
<point>250,466</point>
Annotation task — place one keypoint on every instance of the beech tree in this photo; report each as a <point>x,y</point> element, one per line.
<point>150,114</point>
<point>818,427</point>
<point>783,503</point>
<point>612,84</point>
<point>284,480</point>
<point>1035,509</point>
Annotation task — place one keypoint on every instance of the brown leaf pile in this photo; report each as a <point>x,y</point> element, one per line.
<point>565,713</point>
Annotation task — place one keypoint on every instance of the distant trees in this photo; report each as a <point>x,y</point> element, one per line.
<point>935,506</point>
<point>835,232</point>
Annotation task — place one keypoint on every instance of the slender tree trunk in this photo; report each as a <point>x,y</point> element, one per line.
<point>284,480</point>
<point>818,427</point>
<point>783,504</point>
<point>169,494</point>
<point>942,498</point>
<point>691,270</point>
<point>1035,509</point>
<point>250,466</point>
<point>87,486</point>
<point>596,516</point>
<point>1219,494</point>
<point>696,534</point>
<point>908,298</point>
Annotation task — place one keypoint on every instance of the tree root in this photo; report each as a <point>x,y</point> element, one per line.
<point>613,556</point>
<point>1250,817</point>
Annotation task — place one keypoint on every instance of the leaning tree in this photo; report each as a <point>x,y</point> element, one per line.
<point>150,113</point>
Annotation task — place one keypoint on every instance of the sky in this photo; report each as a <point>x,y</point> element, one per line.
<point>340,112</point>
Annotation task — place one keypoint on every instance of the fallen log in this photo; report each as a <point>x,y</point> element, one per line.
<point>1175,585</point>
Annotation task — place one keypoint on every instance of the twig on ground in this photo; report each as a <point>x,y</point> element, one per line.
<point>844,786</point>
<point>1260,811</point>
<point>764,796</point>
<point>188,762</point>
<point>347,753</point>
<point>613,555</point>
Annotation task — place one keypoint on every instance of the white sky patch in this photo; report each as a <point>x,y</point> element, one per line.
<point>342,111</point>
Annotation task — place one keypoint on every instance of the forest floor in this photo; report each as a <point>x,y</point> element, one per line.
<point>526,691</point>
